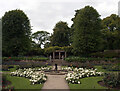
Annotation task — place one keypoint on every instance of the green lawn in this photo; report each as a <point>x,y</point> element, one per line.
<point>88,83</point>
<point>99,68</point>
<point>22,83</point>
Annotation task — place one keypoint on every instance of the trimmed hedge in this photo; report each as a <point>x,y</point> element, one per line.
<point>82,59</point>
<point>107,53</point>
<point>24,58</point>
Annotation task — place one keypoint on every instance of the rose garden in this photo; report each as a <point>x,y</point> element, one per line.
<point>83,56</point>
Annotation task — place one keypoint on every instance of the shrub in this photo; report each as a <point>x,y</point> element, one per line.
<point>11,66</point>
<point>5,67</point>
<point>6,83</point>
<point>112,79</point>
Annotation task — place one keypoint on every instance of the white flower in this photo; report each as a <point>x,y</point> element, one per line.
<point>78,82</point>
<point>78,73</point>
<point>32,74</point>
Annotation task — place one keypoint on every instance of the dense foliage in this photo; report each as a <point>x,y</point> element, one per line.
<point>86,24</point>
<point>40,38</point>
<point>112,79</point>
<point>60,35</point>
<point>67,49</point>
<point>16,31</point>
<point>89,36</point>
<point>35,51</point>
<point>111,32</point>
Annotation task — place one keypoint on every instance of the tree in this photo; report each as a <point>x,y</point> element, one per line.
<point>111,32</point>
<point>16,32</point>
<point>41,37</point>
<point>86,24</point>
<point>60,35</point>
<point>47,44</point>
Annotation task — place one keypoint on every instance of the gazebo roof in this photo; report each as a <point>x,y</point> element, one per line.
<point>59,51</point>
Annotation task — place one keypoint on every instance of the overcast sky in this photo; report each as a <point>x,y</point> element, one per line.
<point>44,14</point>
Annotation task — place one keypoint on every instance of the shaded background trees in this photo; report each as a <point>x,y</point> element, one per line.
<point>60,35</point>
<point>16,32</point>
<point>111,32</point>
<point>41,38</point>
<point>88,34</point>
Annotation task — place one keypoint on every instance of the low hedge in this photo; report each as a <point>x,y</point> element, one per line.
<point>82,59</point>
<point>24,58</point>
<point>107,54</point>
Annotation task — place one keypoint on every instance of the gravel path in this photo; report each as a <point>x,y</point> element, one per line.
<point>56,82</point>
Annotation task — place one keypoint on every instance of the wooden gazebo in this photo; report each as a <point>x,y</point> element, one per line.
<point>59,54</point>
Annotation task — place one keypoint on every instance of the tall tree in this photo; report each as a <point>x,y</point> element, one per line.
<point>60,35</point>
<point>111,32</point>
<point>41,37</point>
<point>16,31</point>
<point>86,24</point>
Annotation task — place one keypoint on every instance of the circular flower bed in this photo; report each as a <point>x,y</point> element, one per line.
<point>35,75</point>
<point>75,74</point>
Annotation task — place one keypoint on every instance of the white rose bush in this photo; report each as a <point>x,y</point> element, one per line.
<point>75,74</point>
<point>35,75</point>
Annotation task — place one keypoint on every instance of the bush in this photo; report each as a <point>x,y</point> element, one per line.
<point>5,67</point>
<point>11,66</point>
<point>112,79</point>
<point>6,83</point>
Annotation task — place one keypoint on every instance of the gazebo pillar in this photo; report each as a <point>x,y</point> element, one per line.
<point>59,55</point>
<point>65,54</point>
<point>53,55</point>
